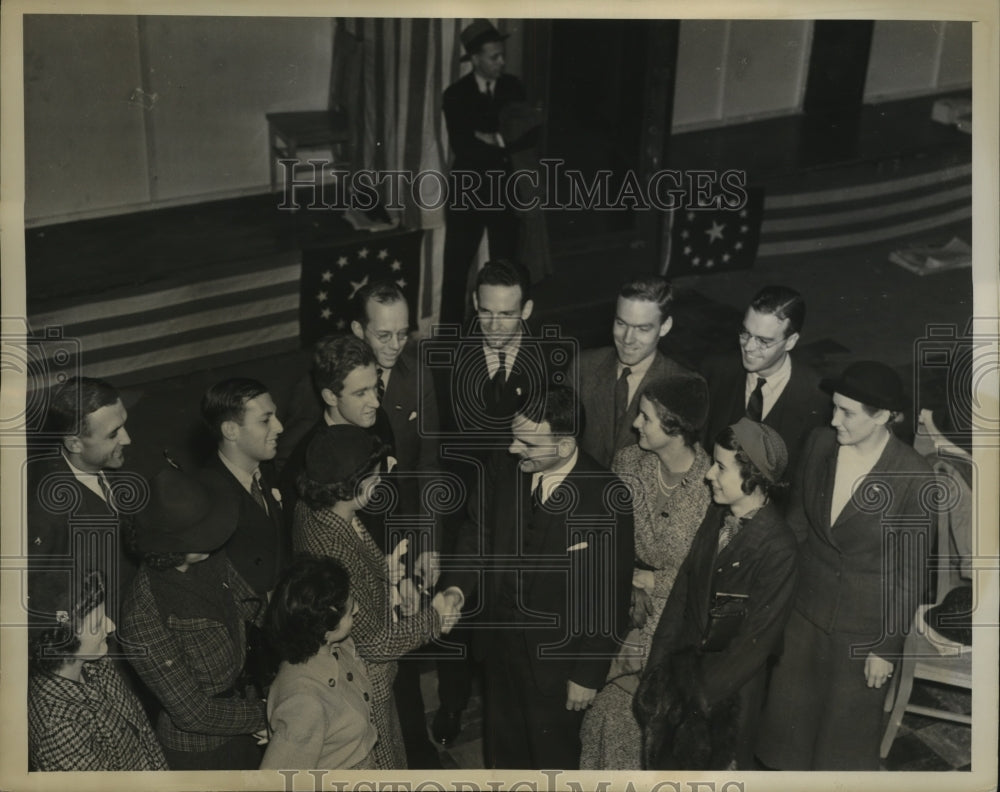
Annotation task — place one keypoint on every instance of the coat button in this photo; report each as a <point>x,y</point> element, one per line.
<point>336,656</point>
<point>350,677</point>
<point>367,697</point>
<point>332,683</point>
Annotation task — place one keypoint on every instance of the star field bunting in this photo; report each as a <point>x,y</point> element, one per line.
<point>332,277</point>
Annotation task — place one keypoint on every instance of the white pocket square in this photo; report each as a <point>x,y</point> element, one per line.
<point>579,546</point>
<point>413,416</point>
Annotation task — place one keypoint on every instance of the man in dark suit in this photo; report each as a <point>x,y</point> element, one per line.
<point>471,111</point>
<point>242,417</point>
<point>613,377</point>
<point>764,383</point>
<point>548,546</point>
<point>79,499</point>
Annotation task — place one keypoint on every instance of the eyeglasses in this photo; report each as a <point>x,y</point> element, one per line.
<point>760,343</point>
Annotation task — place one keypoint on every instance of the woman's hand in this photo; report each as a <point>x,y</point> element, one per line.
<point>397,569</point>
<point>643,578</point>
<point>877,671</point>
<point>409,597</point>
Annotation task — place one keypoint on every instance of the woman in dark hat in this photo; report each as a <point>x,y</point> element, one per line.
<point>857,507</point>
<point>666,473</point>
<point>81,713</point>
<point>320,705</point>
<point>341,473</point>
<point>700,696</point>
<point>183,623</point>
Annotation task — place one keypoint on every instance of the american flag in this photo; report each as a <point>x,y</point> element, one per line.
<point>703,241</point>
<point>332,276</point>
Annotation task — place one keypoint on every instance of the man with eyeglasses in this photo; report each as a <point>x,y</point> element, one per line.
<point>764,383</point>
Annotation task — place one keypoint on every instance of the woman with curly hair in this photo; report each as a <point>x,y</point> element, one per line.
<point>320,705</point>
<point>700,696</point>
<point>81,713</point>
<point>341,472</point>
<point>666,473</point>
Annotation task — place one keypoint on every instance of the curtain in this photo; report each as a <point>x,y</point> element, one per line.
<point>407,64</point>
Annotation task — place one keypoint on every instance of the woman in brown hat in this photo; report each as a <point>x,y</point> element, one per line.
<point>666,473</point>
<point>81,713</point>
<point>183,624</point>
<point>857,506</point>
<point>701,693</point>
<point>341,474</point>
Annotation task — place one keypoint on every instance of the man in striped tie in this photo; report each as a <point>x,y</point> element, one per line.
<point>764,384</point>
<point>242,417</point>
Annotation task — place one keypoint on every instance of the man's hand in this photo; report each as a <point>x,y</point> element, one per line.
<point>577,696</point>
<point>448,604</point>
<point>643,578</point>
<point>489,138</point>
<point>877,671</point>
<point>428,567</point>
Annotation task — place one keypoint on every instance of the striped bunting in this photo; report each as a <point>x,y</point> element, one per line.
<point>157,333</point>
<point>860,215</point>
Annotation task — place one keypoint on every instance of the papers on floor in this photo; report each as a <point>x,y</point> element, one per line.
<point>927,259</point>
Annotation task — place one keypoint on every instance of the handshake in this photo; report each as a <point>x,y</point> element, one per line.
<point>407,591</point>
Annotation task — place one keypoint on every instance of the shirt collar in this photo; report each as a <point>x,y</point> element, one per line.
<point>89,480</point>
<point>510,350</point>
<point>777,381</point>
<point>638,370</point>
<point>246,479</point>
<point>554,477</point>
<point>482,81</point>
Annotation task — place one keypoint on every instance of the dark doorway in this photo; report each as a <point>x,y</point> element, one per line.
<point>597,104</point>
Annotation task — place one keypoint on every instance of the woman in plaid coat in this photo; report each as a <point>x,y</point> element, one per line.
<point>81,713</point>
<point>183,620</point>
<point>341,471</point>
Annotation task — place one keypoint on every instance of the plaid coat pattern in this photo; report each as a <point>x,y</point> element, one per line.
<point>380,640</point>
<point>186,662</point>
<point>96,724</point>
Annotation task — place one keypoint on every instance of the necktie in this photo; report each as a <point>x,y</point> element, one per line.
<point>106,489</point>
<point>500,378</point>
<point>621,398</point>
<point>256,492</point>
<point>536,495</point>
<point>755,404</point>
<point>381,385</point>
<point>489,90</point>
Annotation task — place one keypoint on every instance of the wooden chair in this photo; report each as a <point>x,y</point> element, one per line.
<point>927,654</point>
<point>334,128</point>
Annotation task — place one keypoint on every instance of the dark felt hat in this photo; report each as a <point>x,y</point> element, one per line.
<point>763,445</point>
<point>685,395</point>
<point>480,32</point>
<point>186,514</point>
<point>871,383</point>
<point>338,452</point>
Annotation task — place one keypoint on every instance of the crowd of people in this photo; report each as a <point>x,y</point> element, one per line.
<point>644,565</point>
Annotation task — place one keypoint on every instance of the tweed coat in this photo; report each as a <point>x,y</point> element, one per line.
<point>95,724</point>
<point>380,639</point>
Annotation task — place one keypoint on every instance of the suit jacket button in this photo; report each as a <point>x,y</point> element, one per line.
<point>350,677</point>
<point>332,682</point>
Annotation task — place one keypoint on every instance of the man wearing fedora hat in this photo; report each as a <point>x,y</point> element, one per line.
<point>242,417</point>
<point>859,509</point>
<point>472,114</point>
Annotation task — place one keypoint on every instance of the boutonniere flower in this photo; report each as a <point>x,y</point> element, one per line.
<point>276,494</point>
<point>413,416</point>
<point>517,391</point>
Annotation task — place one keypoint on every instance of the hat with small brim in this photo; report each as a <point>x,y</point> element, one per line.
<point>187,514</point>
<point>480,32</point>
<point>871,383</point>
<point>338,452</point>
<point>764,446</point>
